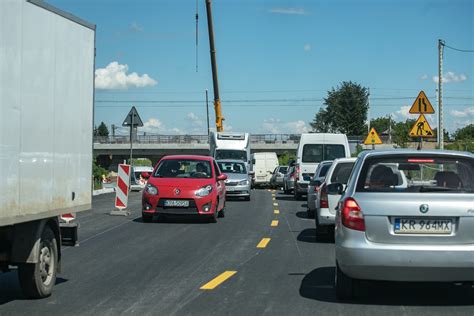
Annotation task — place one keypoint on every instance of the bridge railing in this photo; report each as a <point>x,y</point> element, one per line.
<point>190,139</point>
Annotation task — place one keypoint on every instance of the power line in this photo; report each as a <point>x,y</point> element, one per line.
<point>263,100</point>
<point>254,105</point>
<point>459,50</point>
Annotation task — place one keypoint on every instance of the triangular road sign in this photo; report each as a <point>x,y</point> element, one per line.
<point>421,128</point>
<point>422,105</point>
<point>133,116</point>
<point>373,138</point>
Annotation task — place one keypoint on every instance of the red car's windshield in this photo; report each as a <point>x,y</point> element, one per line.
<point>183,168</point>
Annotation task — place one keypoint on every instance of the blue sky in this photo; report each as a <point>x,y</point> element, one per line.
<point>288,53</point>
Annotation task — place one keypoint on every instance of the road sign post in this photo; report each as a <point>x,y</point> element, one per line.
<point>133,120</point>
<point>421,129</point>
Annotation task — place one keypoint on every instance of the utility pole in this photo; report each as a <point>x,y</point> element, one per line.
<point>207,111</point>
<point>368,112</point>
<point>390,128</point>
<point>440,95</point>
<point>217,101</point>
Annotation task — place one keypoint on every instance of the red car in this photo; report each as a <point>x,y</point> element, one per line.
<point>190,185</point>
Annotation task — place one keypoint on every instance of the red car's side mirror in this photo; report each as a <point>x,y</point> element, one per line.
<point>145,175</point>
<point>222,177</point>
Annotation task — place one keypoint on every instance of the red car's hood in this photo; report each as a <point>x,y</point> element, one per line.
<point>180,183</point>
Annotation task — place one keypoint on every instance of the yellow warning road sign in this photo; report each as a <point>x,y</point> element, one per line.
<point>422,105</point>
<point>373,138</point>
<point>421,128</point>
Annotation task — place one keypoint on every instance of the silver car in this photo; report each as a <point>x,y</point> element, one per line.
<point>239,179</point>
<point>419,231</point>
<point>289,180</point>
<point>277,177</point>
<point>326,204</point>
<point>316,180</point>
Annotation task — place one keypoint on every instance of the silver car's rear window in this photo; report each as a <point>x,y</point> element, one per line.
<point>417,174</point>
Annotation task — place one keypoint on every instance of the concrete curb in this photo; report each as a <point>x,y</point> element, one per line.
<point>103,191</point>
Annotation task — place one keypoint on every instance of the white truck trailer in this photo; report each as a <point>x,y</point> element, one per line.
<point>234,146</point>
<point>46,122</point>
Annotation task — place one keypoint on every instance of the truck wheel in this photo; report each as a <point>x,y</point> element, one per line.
<point>37,279</point>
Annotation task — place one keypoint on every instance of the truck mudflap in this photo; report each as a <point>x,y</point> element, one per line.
<point>69,234</point>
<point>69,228</point>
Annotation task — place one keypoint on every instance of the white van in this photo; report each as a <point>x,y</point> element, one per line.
<point>312,149</point>
<point>263,166</point>
<point>137,182</point>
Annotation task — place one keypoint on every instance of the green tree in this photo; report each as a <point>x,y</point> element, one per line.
<point>284,159</point>
<point>345,112</point>
<point>102,130</point>
<point>401,132</point>
<point>141,162</point>
<point>463,139</point>
<point>321,124</point>
<point>97,172</point>
<point>381,124</point>
<point>465,133</point>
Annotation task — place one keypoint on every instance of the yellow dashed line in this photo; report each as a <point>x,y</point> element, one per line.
<point>273,199</point>
<point>274,223</point>
<point>275,204</point>
<point>218,280</point>
<point>276,211</point>
<point>263,243</point>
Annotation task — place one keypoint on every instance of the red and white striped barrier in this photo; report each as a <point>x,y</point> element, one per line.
<point>123,183</point>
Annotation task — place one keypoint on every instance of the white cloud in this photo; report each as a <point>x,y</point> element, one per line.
<point>451,77</point>
<point>135,28</point>
<point>307,47</point>
<point>293,11</point>
<point>463,113</point>
<point>424,77</point>
<point>403,113</point>
<point>115,77</point>
<point>195,120</point>
<point>153,126</point>
<point>276,126</point>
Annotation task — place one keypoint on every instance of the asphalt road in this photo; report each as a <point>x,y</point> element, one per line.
<point>124,266</point>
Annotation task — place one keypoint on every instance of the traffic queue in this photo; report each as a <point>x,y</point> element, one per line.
<point>396,215</point>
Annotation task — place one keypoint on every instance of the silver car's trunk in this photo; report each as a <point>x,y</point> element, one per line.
<point>382,209</point>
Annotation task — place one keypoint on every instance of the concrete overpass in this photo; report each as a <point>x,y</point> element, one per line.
<point>112,150</point>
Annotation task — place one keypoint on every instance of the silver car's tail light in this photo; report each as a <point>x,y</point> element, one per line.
<point>352,216</point>
<point>323,199</point>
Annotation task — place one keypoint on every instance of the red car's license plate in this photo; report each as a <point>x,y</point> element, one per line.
<point>176,203</point>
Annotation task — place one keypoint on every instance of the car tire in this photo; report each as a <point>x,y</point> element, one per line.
<point>147,218</point>
<point>344,285</point>
<point>221,213</point>
<point>297,195</point>
<point>37,279</point>
<point>247,198</point>
<point>320,231</point>
<point>213,216</point>
<point>309,213</point>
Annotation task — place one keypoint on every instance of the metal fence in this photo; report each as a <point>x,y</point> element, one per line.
<point>193,139</point>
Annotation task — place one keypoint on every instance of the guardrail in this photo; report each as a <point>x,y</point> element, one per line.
<point>193,139</point>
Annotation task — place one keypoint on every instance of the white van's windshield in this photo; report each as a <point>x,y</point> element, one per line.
<point>318,152</point>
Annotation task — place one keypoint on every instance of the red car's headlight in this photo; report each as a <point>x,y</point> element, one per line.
<point>151,189</point>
